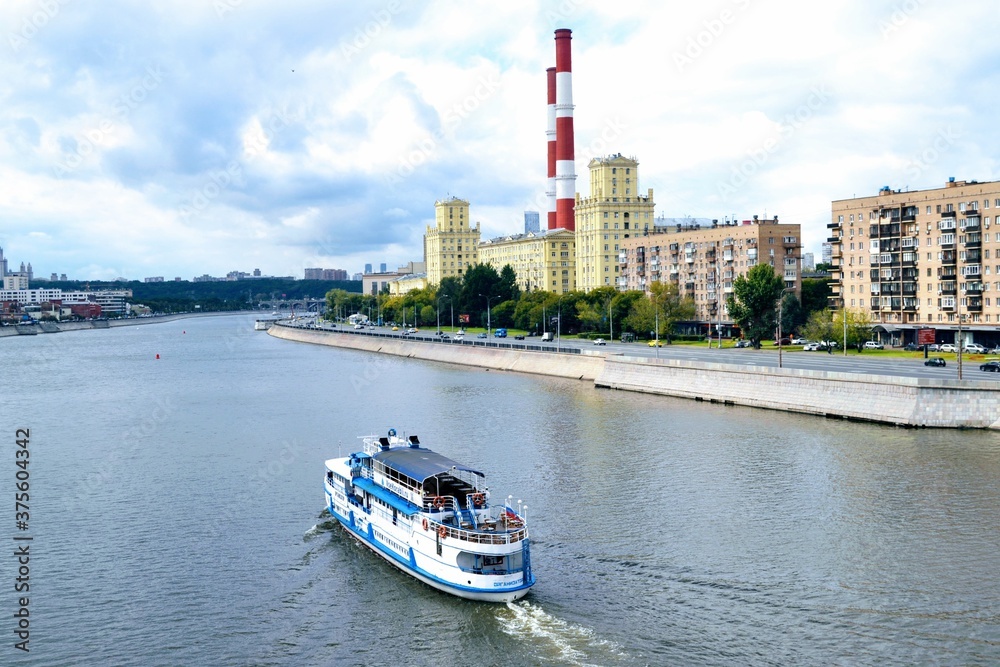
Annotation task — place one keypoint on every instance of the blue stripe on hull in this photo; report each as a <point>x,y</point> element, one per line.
<point>410,567</point>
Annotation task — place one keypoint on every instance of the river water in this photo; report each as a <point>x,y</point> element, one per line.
<point>177,516</point>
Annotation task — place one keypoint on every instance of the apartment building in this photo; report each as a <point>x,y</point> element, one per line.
<point>613,212</point>
<point>543,260</point>
<point>705,260</point>
<point>921,259</point>
<point>451,244</point>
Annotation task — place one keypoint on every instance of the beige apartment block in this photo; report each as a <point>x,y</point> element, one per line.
<point>543,260</point>
<point>451,245</point>
<point>921,259</point>
<point>703,261</point>
<point>613,212</point>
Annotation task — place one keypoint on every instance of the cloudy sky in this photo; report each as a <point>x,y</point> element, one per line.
<point>183,137</point>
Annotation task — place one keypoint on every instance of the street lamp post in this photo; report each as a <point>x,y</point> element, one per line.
<point>488,323</point>
<point>781,303</point>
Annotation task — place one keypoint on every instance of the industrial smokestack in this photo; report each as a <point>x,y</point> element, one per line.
<point>550,134</point>
<point>565,154</point>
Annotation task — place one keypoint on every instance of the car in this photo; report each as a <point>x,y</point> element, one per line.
<point>799,341</point>
<point>995,350</point>
<point>990,366</point>
<point>359,326</point>
<point>933,347</point>
<point>395,328</point>
<point>935,361</point>
<point>946,347</point>
<point>411,330</point>
<point>744,343</point>
<point>519,337</point>
<point>655,343</point>
<point>481,335</point>
<point>783,342</point>
<point>911,347</point>
<point>812,347</point>
<point>445,336</point>
<point>460,332</point>
<point>874,345</point>
<point>600,341</point>
<point>500,333</point>
<point>975,348</point>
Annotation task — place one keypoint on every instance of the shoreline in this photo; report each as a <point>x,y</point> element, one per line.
<point>897,401</point>
<point>88,325</point>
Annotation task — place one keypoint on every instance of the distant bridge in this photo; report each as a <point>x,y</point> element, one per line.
<point>298,305</point>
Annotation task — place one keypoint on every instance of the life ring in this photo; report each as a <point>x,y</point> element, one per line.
<point>438,502</point>
<point>425,523</point>
<point>442,532</point>
<point>478,499</point>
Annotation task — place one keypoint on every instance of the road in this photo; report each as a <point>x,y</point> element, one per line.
<point>868,363</point>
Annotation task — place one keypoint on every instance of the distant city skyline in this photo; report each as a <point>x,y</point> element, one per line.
<point>328,142</point>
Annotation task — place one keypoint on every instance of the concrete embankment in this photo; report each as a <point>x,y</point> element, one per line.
<point>902,401</point>
<point>575,366</point>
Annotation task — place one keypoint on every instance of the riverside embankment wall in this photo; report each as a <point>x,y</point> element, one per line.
<point>902,401</point>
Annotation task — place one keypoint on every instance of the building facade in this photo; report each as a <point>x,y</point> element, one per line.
<point>451,245</point>
<point>704,261</point>
<point>613,212</point>
<point>921,259</point>
<point>543,260</point>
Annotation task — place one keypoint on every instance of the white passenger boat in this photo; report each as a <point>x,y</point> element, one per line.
<point>431,517</point>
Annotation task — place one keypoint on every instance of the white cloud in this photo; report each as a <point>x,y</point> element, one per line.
<point>179,140</point>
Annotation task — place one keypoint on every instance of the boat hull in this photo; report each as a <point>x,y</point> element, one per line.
<point>507,594</point>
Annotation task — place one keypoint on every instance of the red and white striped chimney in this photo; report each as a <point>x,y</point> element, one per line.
<point>550,133</point>
<point>565,154</point>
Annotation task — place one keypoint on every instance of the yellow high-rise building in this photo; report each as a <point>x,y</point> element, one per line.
<point>542,260</point>
<point>614,211</point>
<point>451,246</point>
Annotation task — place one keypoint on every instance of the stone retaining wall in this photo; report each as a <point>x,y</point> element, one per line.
<point>902,401</point>
<point>879,398</point>
<point>575,366</point>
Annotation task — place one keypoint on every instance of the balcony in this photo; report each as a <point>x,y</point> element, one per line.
<point>973,241</point>
<point>974,305</point>
<point>949,214</point>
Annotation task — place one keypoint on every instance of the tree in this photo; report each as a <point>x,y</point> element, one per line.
<point>752,303</point>
<point>815,296</point>
<point>792,314</point>
<point>664,308</point>
<point>481,281</point>
<point>859,327</point>
<point>508,289</point>
<point>819,326</point>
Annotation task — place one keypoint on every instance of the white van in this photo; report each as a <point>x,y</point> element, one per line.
<point>548,336</point>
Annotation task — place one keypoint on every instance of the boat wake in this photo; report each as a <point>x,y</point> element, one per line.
<point>560,641</point>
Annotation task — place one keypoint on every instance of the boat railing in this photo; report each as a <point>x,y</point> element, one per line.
<point>485,536</point>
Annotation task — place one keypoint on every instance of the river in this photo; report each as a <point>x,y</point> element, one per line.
<point>177,516</point>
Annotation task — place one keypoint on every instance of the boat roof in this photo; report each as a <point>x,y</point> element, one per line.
<point>419,463</point>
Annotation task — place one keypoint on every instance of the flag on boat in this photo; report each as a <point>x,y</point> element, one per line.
<point>511,514</point>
